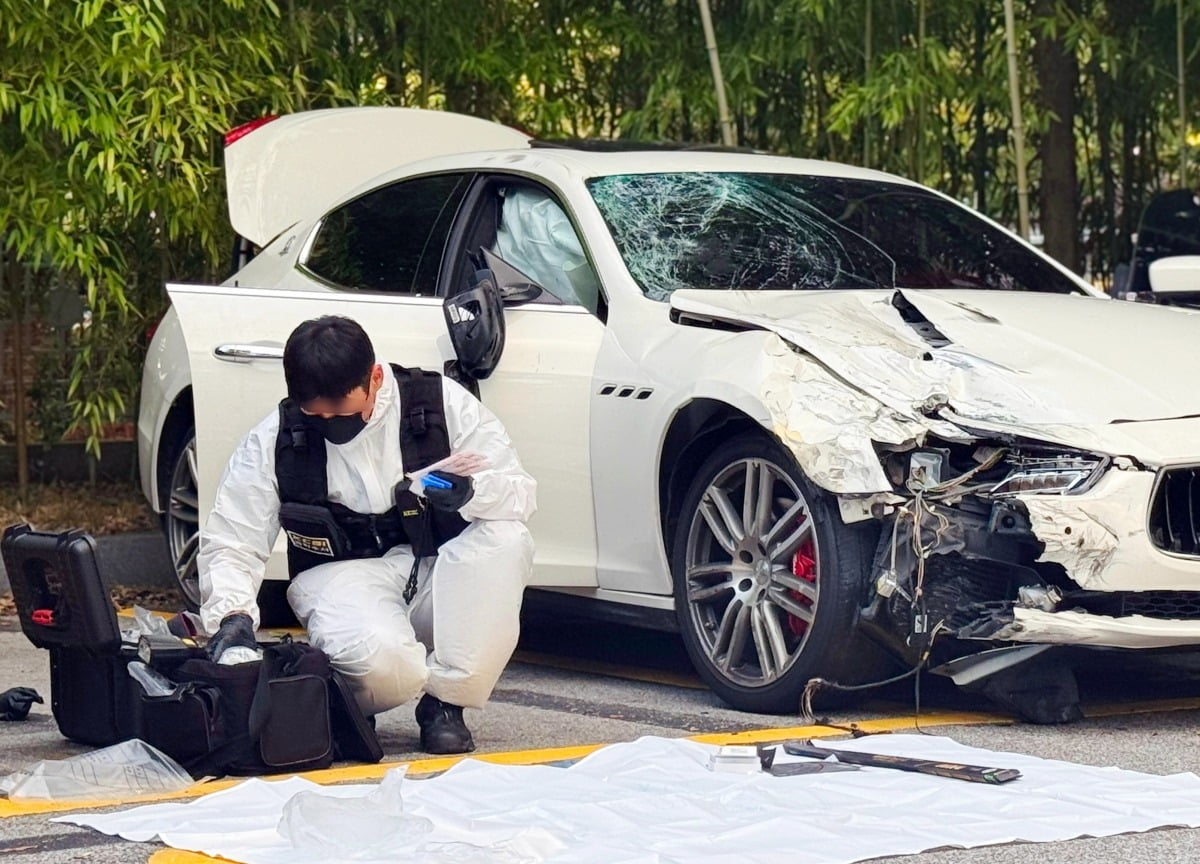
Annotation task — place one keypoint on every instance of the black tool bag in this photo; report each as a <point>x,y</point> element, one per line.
<point>276,715</point>
<point>266,717</point>
<point>92,697</point>
<point>353,735</point>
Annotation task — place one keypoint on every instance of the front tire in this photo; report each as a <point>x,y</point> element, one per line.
<point>181,521</point>
<point>768,579</point>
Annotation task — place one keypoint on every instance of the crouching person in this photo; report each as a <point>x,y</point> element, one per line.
<point>410,585</point>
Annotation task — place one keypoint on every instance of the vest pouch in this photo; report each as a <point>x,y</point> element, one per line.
<point>185,725</point>
<point>313,536</point>
<point>417,518</point>
<point>297,736</point>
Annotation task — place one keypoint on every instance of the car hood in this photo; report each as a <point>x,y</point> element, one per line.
<point>1067,368</point>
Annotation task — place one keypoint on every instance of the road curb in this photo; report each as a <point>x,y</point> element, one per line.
<point>139,558</point>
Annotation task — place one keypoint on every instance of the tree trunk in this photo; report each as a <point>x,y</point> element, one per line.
<point>980,156</point>
<point>728,137</point>
<point>868,48</point>
<point>1057,72</point>
<point>1181,72</point>
<point>825,147</point>
<point>919,149</point>
<point>1108,180</point>
<point>16,290</point>
<point>1018,120</point>
<point>1131,189</point>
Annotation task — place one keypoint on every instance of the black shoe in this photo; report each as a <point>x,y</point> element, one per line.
<point>443,731</point>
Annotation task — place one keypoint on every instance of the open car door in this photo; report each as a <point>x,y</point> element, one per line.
<point>235,338</point>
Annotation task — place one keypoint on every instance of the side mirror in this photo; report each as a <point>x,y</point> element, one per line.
<point>475,321</point>
<point>1176,278</point>
<point>514,286</point>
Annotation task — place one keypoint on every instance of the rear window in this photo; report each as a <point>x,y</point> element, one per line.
<point>786,232</point>
<point>391,239</point>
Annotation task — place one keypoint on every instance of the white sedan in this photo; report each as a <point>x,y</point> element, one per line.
<point>820,419</point>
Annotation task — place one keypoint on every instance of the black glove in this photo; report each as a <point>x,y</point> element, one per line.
<point>236,631</point>
<point>460,492</point>
<point>15,703</point>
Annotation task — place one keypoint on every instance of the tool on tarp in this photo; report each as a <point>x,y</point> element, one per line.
<point>953,770</point>
<point>766,759</point>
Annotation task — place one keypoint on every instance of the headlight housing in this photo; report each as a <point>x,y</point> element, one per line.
<point>1050,474</point>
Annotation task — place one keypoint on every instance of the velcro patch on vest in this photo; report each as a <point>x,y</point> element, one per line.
<point>315,545</point>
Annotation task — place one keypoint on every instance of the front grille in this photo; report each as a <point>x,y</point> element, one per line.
<point>1175,513</point>
<point>1177,605</point>
<point>956,587</point>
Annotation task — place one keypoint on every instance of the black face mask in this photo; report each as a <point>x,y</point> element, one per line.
<point>339,429</point>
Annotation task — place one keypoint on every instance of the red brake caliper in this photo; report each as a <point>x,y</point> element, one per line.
<point>804,565</point>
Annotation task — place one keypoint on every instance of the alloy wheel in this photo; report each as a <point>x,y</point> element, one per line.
<point>183,523</point>
<point>752,573</point>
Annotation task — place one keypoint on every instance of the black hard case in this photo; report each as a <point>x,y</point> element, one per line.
<point>63,606</point>
<point>60,596</point>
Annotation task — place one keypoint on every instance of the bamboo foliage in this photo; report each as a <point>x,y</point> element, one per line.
<point>112,111</point>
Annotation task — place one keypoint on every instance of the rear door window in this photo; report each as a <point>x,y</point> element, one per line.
<point>390,240</point>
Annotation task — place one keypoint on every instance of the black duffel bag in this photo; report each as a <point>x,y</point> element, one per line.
<point>266,717</point>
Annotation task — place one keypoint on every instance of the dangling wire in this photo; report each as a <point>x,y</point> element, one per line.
<point>815,685</point>
<point>923,551</point>
<point>916,684</point>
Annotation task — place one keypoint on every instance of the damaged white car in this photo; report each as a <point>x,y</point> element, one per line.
<point>821,419</point>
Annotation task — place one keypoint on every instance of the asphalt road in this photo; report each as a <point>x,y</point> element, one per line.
<point>574,683</point>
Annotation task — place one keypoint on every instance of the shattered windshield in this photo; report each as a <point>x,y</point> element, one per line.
<point>787,232</point>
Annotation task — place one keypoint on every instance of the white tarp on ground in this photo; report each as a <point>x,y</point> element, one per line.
<point>654,800</point>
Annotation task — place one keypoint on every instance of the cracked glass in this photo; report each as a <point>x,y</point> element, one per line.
<point>786,232</point>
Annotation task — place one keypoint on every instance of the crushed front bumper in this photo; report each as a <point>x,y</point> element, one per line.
<point>990,565</point>
<point>1075,627</point>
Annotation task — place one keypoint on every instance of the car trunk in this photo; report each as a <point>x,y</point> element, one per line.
<point>279,170</point>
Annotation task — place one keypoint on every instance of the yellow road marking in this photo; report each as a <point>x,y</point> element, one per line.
<point>892,724</point>
<point>871,727</point>
<point>1149,706</point>
<point>127,612</point>
<point>424,767</point>
<point>421,767</point>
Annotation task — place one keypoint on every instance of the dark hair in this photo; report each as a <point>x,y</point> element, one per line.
<point>326,358</point>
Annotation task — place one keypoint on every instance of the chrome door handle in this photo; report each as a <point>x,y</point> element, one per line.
<point>235,353</point>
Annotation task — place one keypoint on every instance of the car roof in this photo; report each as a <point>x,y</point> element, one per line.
<point>582,164</point>
<point>595,163</point>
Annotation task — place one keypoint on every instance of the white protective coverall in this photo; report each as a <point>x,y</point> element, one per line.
<point>467,606</point>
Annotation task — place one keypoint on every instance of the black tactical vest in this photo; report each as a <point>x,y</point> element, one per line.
<point>319,530</point>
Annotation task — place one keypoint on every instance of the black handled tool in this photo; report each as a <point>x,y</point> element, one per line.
<point>953,770</point>
<point>163,651</point>
<point>766,757</point>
